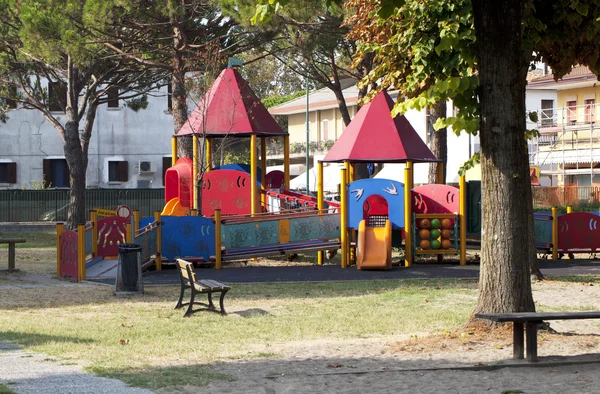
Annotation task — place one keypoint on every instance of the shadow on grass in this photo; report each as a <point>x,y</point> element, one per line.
<point>28,339</point>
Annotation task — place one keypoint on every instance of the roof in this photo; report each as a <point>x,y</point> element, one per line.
<point>231,108</point>
<point>374,136</point>
<point>321,99</point>
<point>579,74</point>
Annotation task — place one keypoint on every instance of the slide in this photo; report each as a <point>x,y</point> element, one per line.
<point>374,247</point>
<point>174,208</point>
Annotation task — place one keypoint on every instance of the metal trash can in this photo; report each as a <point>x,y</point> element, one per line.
<point>129,270</point>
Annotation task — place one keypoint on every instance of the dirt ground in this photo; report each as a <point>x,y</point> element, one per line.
<point>469,360</point>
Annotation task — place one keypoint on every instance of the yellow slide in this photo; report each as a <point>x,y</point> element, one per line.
<point>174,208</point>
<point>374,247</point>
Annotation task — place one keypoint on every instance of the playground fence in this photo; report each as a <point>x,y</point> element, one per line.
<point>574,195</point>
<point>51,204</point>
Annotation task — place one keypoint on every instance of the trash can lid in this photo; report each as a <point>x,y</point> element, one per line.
<point>129,247</point>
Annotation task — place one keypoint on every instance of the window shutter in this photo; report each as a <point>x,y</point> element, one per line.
<point>47,173</point>
<point>123,171</point>
<point>166,164</point>
<point>12,172</point>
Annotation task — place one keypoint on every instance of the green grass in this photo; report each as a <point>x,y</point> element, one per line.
<point>34,240</point>
<point>5,389</point>
<point>143,341</point>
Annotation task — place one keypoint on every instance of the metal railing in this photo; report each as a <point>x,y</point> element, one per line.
<point>571,115</point>
<point>574,195</point>
<point>52,204</point>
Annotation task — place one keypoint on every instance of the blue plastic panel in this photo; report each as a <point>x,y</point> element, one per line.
<point>188,236</point>
<point>392,191</point>
<point>314,227</point>
<point>241,235</point>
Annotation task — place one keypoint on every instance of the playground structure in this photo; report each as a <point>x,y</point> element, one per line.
<point>240,217</point>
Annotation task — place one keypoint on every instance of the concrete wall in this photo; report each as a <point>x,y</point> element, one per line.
<point>119,134</point>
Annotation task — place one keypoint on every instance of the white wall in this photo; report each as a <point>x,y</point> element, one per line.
<point>119,133</point>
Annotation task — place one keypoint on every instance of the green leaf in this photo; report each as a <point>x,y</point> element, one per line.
<point>388,7</point>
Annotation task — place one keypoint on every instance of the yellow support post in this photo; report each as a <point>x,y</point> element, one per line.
<point>408,179</point>
<point>193,212</point>
<point>128,233</point>
<point>463,220</point>
<point>136,221</point>
<point>158,258</point>
<point>569,209</point>
<point>81,251</point>
<point>554,234</point>
<point>343,218</point>
<point>173,150</point>
<point>348,168</point>
<point>218,261</point>
<point>263,169</point>
<point>195,170</point>
<point>286,161</point>
<point>60,228</point>
<point>320,204</point>
<point>94,217</point>
<point>208,154</point>
<point>253,191</point>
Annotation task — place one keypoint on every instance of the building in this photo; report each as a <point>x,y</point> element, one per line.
<point>326,126</point>
<point>568,147</point>
<point>128,149</point>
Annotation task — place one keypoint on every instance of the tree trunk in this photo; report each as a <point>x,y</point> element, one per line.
<point>438,141</point>
<point>337,90</point>
<point>179,109</point>
<point>507,237</point>
<point>77,163</point>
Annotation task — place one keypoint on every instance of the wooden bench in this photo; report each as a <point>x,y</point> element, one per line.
<point>531,321</point>
<point>188,280</point>
<point>11,250</point>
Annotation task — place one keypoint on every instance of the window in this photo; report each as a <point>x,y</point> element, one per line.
<point>547,115</point>
<point>57,95</point>
<point>56,173</point>
<point>118,171</point>
<point>571,112</point>
<point>8,172</point>
<point>169,97</point>
<point>324,130</point>
<point>590,111</point>
<point>113,97</point>
<point>166,164</point>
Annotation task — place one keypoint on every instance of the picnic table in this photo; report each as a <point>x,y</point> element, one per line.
<point>11,250</point>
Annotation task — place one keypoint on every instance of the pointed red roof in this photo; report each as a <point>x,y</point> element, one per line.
<point>231,108</point>
<point>373,136</point>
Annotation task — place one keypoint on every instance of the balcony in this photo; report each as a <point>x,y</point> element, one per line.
<point>571,117</point>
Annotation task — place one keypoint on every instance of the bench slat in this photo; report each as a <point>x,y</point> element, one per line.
<point>523,317</point>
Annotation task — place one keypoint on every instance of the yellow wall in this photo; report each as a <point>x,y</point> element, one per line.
<point>580,94</point>
<point>297,128</point>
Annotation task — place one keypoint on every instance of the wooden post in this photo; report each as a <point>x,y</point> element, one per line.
<point>136,221</point>
<point>286,161</point>
<point>343,218</point>
<point>218,259</point>
<point>60,228</point>
<point>195,171</point>
<point>408,178</point>
<point>320,202</point>
<point>253,189</point>
<point>128,233</point>
<point>463,219</point>
<point>173,150</point>
<point>554,234</point>
<point>158,258</point>
<point>263,170</point>
<point>81,252</point>
<point>208,154</point>
<point>94,217</point>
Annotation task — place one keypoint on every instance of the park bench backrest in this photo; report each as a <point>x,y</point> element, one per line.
<point>186,270</point>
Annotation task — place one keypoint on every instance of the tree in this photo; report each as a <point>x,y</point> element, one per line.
<point>509,34</point>
<point>311,41</point>
<point>46,42</point>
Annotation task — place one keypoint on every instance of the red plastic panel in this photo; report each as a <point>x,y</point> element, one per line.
<point>435,199</point>
<point>68,255</point>
<point>274,179</point>
<point>111,233</point>
<point>228,190</point>
<point>178,182</point>
<point>375,205</point>
<point>578,230</point>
